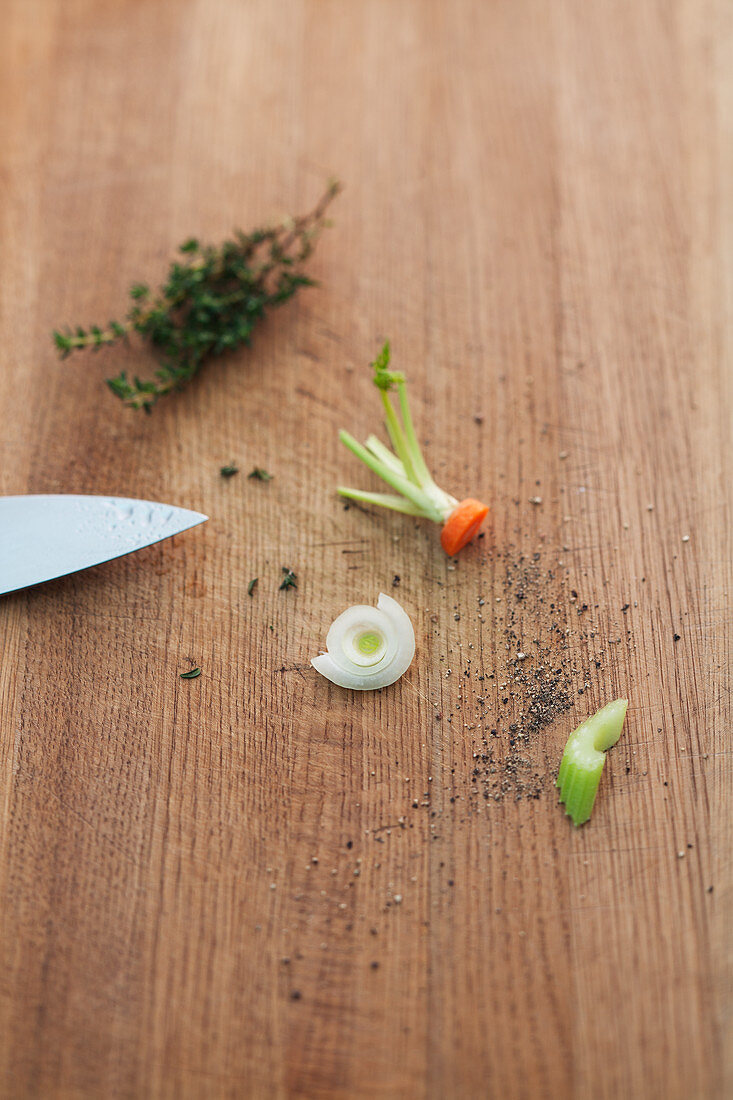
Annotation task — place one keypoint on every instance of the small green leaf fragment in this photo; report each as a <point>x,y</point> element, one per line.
<point>258,474</point>
<point>584,756</point>
<point>382,360</point>
<point>229,471</point>
<point>63,343</point>
<point>289,579</point>
<point>192,674</point>
<point>251,586</point>
<point>385,379</point>
<point>121,387</point>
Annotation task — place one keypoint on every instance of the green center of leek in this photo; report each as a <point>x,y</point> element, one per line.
<point>368,643</point>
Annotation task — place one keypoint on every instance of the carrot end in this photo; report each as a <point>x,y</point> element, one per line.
<point>462,525</point>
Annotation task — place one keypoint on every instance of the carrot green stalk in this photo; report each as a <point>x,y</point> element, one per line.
<point>404,469</point>
<point>584,757</point>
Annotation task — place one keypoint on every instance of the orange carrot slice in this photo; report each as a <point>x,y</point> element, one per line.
<point>462,524</point>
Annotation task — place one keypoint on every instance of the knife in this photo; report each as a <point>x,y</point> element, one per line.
<point>43,537</point>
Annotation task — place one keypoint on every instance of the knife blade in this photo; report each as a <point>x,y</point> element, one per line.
<point>48,536</point>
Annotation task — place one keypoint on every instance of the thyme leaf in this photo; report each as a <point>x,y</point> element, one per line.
<point>290,578</point>
<point>229,471</point>
<point>192,674</point>
<point>259,474</point>
<point>251,586</point>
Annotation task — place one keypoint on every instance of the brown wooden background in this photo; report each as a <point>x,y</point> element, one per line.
<point>538,212</point>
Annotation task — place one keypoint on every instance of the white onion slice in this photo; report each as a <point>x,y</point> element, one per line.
<point>368,647</point>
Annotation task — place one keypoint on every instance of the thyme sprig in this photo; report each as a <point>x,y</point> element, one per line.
<point>209,303</point>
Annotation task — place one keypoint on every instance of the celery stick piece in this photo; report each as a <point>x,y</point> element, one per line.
<point>584,756</point>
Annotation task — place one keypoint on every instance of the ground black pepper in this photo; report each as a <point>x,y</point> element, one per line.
<point>525,643</point>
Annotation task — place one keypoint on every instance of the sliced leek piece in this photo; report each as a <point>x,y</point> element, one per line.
<point>368,647</point>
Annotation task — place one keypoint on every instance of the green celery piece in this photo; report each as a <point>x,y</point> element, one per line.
<point>584,756</point>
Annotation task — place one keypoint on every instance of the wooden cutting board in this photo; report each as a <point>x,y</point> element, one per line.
<point>254,884</point>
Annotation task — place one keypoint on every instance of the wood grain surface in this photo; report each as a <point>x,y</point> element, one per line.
<point>255,884</point>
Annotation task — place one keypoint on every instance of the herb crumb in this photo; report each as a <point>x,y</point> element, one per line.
<point>229,471</point>
<point>258,474</point>
<point>289,579</point>
<point>251,586</point>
